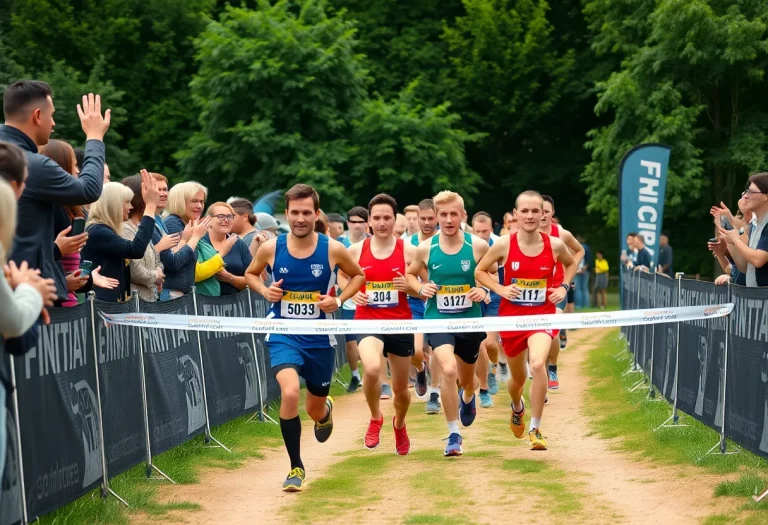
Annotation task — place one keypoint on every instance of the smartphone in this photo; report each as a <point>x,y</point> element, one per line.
<point>713,240</point>
<point>85,267</point>
<point>724,223</point>
<point>78,226</point>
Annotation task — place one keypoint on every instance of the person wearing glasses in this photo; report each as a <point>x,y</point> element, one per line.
<point>751,257</point>
<point>234,252</point>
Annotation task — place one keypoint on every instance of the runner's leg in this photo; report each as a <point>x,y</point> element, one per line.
<point>538,348</point>
<point>399,366</point>
<point>370,350</point>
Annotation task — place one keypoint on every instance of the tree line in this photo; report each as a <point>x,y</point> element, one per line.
<point>487,97</point>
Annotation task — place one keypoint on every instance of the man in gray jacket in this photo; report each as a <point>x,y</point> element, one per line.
<point>28,108</point>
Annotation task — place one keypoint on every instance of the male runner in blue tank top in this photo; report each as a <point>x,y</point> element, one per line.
<point>302,265</point>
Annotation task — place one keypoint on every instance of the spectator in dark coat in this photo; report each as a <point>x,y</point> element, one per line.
<point>106,247</point>
<point>28,108</point>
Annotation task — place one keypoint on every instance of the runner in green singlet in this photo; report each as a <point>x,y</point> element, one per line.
<point>451,293</point>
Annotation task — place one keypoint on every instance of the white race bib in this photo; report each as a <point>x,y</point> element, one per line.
<point>300,305</point>
<point>532,291</point>
<point>453,299</point>
<point>382,294</point>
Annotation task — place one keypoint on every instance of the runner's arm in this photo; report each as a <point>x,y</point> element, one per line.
<point>575,247</point>
<point>264,257</point>
<point>489,265</point>
<point>563,255</point>
<point>417,267</point>
<point>409,253</point>
<point>341,258</point>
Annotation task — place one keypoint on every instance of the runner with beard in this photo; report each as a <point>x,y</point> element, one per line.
<point>529,287</point>
<point>566,305</point>
<point>384,259</point>
<point>450,258</point>
<point>302,265</point>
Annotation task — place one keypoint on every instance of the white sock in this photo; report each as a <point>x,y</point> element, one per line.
<point>432,390</point>
<point>453,427</point>
<point>355,373</point>
<point>535,423</point>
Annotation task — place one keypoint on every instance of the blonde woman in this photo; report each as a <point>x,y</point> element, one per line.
<point>232,250</point>
<point>106,247</point>
<point>186,202</point>
<point>146,273</point>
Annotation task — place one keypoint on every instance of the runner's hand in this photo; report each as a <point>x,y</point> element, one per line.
<point>400,283</point>
<point>556,295</point>
<point>510,292</point>
<point>328,304</point>
<point>274,294</point>
<point>476,294</point>
<point>360,299</point>
<point>428,290</point>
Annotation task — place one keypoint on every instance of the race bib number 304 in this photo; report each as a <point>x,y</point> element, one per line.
<point>300,305</point>
<point>532,291</point>
<point>382,294</point>
<point>453,299</point>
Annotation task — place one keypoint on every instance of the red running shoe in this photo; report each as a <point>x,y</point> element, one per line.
<point>402,443</point>
<point>373,433</point>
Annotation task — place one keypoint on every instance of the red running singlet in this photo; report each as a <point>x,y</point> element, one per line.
<point>534,276</point>
<point>559,268</point>
<point>384,300</point>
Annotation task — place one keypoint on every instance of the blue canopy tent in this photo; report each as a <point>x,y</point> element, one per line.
<point>266,203</point>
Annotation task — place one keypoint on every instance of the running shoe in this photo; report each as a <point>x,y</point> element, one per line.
<point>386,392</point>
<point>563,339</point>
<point>485,399</point>
<point>373,434</point>
<point>433,405</point>
<point>517,421</point>
<point>537,440</point>
<point>295,481</point>
<point>553,383</point>
<point>503,372</point>
<point>493,385</point>
<point>354,384</point>
<point>467,411</point>
<point>453,448</point>
<point>420,388</point>
<point>324,428</point>
<point>402,442</point>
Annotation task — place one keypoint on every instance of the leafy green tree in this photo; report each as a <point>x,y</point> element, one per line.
<point>277,90</point>
<point>410,151</point>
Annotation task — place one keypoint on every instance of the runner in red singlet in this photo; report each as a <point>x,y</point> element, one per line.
<point>566,305</point>
<point>528,258</point>
<point>384,259</point>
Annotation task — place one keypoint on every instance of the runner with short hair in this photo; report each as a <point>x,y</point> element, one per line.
<point>450,258</point>
<point>384,259</point>
<point>566,305</point>
<point>411,213</point>
<point>529,287</point>
<point>302,265</point>
<point>482,224</point>
<point>401,225</point>
<point>427,229</point>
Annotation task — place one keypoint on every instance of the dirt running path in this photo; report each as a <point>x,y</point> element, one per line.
<point>609,487</point>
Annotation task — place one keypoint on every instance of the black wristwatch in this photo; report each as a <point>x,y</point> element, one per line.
<point>566,286</point>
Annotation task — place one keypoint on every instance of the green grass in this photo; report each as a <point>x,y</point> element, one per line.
<point>183,464</point>
<point>617,413</point>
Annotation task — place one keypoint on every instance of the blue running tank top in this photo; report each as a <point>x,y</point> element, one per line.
<point>416,303</point>
<point>495,298</point>
<point>304,280</point>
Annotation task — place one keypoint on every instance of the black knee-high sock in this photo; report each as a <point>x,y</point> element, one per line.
<point>291,430</point>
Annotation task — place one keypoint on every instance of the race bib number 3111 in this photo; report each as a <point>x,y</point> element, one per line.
<point>300,305</point>
<point>532,291</point>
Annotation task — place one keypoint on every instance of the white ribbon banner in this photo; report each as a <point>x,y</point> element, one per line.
<point>422,326</point>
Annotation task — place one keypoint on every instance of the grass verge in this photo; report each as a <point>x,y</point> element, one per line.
<point>183,464</point>
<point>617,413</point>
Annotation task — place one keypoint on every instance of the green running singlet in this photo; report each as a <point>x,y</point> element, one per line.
<point>455,277</point>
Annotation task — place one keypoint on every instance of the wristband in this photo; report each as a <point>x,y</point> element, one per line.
<point>566,286</point>
<point>420,290</point>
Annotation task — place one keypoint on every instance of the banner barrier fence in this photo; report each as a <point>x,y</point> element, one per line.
<point>140,385</point>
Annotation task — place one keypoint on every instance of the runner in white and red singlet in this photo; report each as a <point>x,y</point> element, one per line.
<point>384,259</point>
<point>528,258</point>
<point>566,305</point>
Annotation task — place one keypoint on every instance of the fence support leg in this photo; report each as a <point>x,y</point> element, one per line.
<point>261,414</point>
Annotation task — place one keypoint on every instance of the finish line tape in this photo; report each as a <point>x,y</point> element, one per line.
<point>421,326</point>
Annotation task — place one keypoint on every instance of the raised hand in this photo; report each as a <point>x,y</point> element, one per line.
<point>169,241</point>
<point>149,191</point>
<point>228,244</point>
<point>70,245</point>
<point>94,124</point>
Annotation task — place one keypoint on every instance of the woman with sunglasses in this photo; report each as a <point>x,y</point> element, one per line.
<point>234,251</point>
